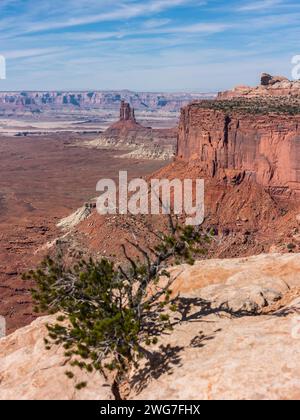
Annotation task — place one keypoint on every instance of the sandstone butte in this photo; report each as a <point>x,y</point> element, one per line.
<point>128,122</point>
<point>244,137</point>
<point>238,339</point>
<point>141,142</point>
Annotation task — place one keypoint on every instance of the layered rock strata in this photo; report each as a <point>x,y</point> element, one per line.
<point>245,137</point>
<point>141,142</point>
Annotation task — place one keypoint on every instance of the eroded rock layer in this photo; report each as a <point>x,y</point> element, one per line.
<point>140,142</point>
<point>30,372</point>
<point>245,137</point>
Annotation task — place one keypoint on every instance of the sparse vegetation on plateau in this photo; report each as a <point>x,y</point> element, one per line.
<point>260,105</point>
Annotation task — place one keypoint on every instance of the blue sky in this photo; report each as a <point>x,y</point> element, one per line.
<point>149,45</point>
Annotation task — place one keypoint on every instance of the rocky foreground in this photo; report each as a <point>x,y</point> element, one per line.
<point>236,337</point>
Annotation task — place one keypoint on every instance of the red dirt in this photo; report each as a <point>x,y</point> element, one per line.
<point>42,179</point>
<point>245,218</point>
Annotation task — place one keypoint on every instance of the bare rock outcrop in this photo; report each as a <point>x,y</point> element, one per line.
<point>219,349</point>
<point>252,358</point>
<point>270,86</point>
<point>29,372</point>
<point>217,353</point>
<point>243,285</point>
<point>75,218</point>
<point>268,80</point>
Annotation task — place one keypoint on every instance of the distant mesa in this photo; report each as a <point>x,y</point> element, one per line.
<point>104,100</point>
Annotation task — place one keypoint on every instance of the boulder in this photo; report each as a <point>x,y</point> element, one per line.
<point>267,79</point>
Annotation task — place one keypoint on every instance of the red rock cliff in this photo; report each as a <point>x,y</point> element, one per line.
<point>264,147</point>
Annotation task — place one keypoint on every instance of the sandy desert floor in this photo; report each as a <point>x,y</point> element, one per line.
<point>42,180</point>
<point>90,121</point>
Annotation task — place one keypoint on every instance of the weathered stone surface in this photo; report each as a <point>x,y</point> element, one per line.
<point>281,272</point>
<point>29,372</point>
<point>213,355</point>
<point>268,80</point>
<point>228,359</point>
<point>269,86</point>
<point>265,148</point>
<point>209,355</point>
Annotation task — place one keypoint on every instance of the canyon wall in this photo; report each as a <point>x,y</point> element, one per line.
<point>141,101</point>
<point>264,147</point>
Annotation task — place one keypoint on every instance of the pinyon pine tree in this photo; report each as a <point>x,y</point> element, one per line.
<point>109,314</point>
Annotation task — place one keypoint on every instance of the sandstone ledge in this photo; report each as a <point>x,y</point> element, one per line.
<point>29,372</point>
<point>229,344</point>
<point>219,351</point>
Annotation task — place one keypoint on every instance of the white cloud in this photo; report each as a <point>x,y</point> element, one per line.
<point>122,11</point>
<point>152,47</point>
<point>16,54</point>
<point>259,5</point>
<point>156,23</point>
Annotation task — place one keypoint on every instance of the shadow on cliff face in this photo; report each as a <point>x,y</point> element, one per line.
<point>188,309</point>
<point>195,309</point>
<point>167,357</point>
<point>158,363</point>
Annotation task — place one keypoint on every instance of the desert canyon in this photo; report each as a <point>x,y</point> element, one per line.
<point>239,334</point>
